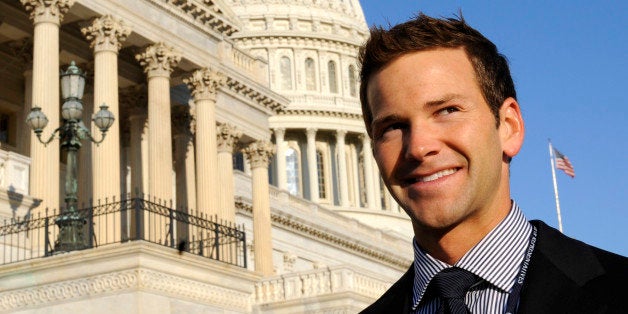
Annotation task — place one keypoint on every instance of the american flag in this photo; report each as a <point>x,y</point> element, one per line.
<point>563,163</point>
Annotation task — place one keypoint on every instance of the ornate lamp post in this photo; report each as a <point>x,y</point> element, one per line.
<point>71,133</point>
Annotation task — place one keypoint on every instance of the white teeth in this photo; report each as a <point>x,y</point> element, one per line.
<point>437,175</point>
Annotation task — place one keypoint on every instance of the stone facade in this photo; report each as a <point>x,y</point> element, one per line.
<point>244,111</point>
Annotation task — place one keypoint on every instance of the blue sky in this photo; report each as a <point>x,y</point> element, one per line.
<point>568,60</point>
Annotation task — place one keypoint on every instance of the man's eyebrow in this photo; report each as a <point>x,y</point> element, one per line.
<point>385,119</point>
<point>445,98</point>
<point>432,103</point>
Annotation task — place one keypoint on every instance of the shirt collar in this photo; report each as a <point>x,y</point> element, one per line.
<point>496,258</point>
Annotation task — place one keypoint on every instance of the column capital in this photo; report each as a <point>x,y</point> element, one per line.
<point>279,132</point>
<point>204,83</point>
<point>259,153</point>
<point>159,59</point>
<point>50,11</point>
<point>364,138</point>
<point>340,134</point>
<point>311,131</point>
<point>106,33</point>
<point>228,135</point>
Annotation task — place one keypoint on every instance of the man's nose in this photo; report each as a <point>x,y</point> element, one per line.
<point>421,143</point>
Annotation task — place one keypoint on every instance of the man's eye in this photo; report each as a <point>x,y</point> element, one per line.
<point>447,110</point>
<point>384,130</point>
<point>392,127</point>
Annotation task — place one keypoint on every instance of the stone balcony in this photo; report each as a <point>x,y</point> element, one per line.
<point>341,288</point>
<point>14,171</point>
<point>15,201</point>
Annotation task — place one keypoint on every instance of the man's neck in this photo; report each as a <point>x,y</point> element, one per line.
<point>451,244</point>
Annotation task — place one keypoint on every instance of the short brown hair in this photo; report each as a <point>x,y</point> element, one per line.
<point>425,33</point>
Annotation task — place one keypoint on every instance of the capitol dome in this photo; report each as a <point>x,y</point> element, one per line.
<point>323,151</point>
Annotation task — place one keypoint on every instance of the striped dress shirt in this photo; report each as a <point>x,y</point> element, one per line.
<point>496,259</point>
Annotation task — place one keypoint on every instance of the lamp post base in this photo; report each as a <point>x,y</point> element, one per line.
<point>71,236</point>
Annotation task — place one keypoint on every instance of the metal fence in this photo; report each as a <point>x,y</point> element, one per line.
<point>131,219</point>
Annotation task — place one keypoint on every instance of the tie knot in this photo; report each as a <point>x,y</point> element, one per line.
<point>453,282</point>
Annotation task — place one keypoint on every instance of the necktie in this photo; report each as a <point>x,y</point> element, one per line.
<point>451,285</point>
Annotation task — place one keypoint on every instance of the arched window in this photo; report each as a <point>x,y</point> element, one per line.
<point>286,73</point>
<point>333,82</point>
<point>320,167</point>
<point>310,74</point>
<point>352,81</point>
<point>292,171</point>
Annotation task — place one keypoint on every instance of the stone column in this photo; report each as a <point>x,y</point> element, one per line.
<point>343,181</point>
<point>185,167</point>
<point>106,35</point>
<point>85,168</point>
<point>44,172</point>
<point>228,136</point>
<point>139,153</point>
<point>356,175</point>
<point>23,50</point>
<point>259,154</point>
<point>311,164</point>
<point>159,60</point>
<point>135,101</point>
<point>204,85</point>
<point>368,171</point>
<point>377,183</point>
<point>183,124</point>
<point>282,181</point>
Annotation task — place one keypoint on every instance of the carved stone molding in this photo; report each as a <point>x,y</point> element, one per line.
<point>322,113</point>
<point>204,83</point>
<point>301,228</point>
<point>106,33</point>
<point>51,11</point>
<point>135,279</point>
<point>228,135</point>
<point>159,59</point>
<point>259,153</point>
<point>200,13</point>
<point>255,95</point>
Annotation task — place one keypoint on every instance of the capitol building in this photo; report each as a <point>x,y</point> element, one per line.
<point>235,177</point>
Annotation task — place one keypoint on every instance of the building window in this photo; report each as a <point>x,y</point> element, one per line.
<point>310,74</point>
<point>286,73</point>
<point>353,89</point>
<point>292,171</point>
<point>320,167</point>
<point>333,83</point>
<point>4,128</point>
<point>238,161</point>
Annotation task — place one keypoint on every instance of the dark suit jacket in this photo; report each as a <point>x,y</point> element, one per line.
<point>564,276</point>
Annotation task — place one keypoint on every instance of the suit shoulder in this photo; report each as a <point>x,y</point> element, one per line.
<point>562,249</point>
<point>567,275</point>
<point>395,299</point>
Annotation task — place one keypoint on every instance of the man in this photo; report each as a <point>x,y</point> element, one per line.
<point>440,107</point>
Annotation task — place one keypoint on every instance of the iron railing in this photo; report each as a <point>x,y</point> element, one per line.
<point>131,219</point>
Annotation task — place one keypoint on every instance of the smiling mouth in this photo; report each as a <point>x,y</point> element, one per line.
<point>436,175</point>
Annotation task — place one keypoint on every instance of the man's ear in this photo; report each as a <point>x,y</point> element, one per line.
<point>511,127</point>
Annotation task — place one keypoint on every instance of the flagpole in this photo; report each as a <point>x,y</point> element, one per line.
<point>560,220</point>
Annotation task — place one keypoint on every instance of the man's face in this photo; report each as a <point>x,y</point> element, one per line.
<point>436,141</point>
